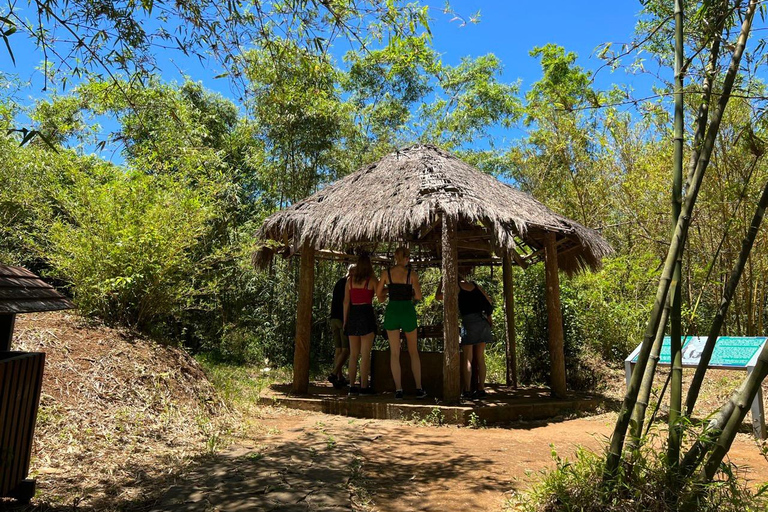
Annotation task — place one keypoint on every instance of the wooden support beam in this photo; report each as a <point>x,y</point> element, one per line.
<point>509,317</point>
<point>428,229</point>
<point>7,322</point>
<point>518,259</point>
<point>304,321</point>
<point>543,249</point>
<point>554,318</point>
<point>451,369</point>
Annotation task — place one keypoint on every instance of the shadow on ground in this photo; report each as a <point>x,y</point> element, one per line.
<point>330,466</point>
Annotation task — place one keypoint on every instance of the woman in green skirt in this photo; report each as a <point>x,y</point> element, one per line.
<point>403,288</point>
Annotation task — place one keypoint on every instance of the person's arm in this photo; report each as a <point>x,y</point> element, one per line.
<point>375,284</point>
<point>347,301</point>
<point>380,287</point>
<point>439,291</point>
<point>416,286</point>
<point>490,304</point>
<point>487,297</point>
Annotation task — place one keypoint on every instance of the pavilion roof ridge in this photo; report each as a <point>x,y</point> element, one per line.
<point>401,193</point>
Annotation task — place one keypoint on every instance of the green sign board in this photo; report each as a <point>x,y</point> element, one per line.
<point>730,351</point>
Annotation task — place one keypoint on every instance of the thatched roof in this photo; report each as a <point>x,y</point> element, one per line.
<point>400,198</point>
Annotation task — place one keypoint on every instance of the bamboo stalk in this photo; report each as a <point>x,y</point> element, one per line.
<point>725,302</point>
<point>730,416</point>
<point>675,250</point>
<point>675,331</point>
<point>644,395</point>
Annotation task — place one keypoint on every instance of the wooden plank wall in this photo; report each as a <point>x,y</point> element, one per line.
<point>21,291</point>
<point>21,379</point>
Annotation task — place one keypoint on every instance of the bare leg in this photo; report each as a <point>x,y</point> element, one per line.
<point>467,368</point>
<point>354,349</point>
<point>413,352</point>
<point>394,357</point>
<point>338,362</point>
<point>366,342</point>
<point>479,350</point>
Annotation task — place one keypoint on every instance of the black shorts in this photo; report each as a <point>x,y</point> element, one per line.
<point>361,320</point>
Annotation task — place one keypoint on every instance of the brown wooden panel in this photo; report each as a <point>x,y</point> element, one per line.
<point>39,292</point>
<point>20,386</point>
<point>32,306</point>
<point>5,391</point>
<point>8,425</point>
<point>22,282</point>
<point>18,425</point>
<point>6,270</point>
<point>34,388</point>
<point>21,291</point>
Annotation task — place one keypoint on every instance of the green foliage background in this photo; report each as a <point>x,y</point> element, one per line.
<point>162,241</point>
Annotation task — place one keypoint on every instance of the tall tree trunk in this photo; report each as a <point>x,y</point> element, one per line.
<point>725,302</point>
<point>675,332</point>
<point>675,250</point>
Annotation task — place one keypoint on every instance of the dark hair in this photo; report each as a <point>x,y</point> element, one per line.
<point>363,269</point>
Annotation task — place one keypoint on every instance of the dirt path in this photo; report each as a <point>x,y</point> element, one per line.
<point>312,461</point>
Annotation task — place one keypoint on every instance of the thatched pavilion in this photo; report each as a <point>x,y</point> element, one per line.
<point>450,213</point>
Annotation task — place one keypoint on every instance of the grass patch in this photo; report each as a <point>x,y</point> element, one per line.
<point>240,386</point>
<point>576,484</point>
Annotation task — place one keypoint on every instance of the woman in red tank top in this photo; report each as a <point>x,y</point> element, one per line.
<point>360,323</point>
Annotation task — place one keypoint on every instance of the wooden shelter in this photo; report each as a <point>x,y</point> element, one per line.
<point>21,377</point>
<point>451,214</point>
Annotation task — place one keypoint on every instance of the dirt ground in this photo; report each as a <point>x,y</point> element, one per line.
<point>127,424</point>
<point>313,461</point>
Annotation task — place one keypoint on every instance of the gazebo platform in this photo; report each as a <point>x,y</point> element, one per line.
<point>502,405</point>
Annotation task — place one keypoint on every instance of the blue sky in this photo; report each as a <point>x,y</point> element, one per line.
<point>507,28</point>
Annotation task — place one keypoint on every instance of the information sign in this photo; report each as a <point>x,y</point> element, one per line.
<point>731,353</point>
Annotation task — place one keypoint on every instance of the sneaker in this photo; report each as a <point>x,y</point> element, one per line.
<point>399,394</point>
<point>354,391</point>
<point>343,381</point>
<point>420,393</point>
<point>480,393</point>
<point>367,391</point>
<point>333,379</point>
<point>467,395</point>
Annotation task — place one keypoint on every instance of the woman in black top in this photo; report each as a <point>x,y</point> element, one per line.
<point>402,287</point>
<point>475,308</point>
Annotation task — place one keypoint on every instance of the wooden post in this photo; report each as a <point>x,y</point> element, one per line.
<point>509,317</point>
<point>451,370</point>
<point>554,318</point>
<point>304,321</point>
<point>7,321</point>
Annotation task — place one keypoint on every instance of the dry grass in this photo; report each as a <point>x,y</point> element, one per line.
<point>119,414</point>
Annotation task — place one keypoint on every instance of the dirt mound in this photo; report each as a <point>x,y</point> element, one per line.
<point>117,410</point>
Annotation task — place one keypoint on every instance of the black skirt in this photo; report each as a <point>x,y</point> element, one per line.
<point>361,320</point>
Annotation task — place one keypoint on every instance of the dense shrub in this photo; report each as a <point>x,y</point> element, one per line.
<point>126,246</point>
